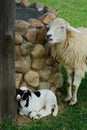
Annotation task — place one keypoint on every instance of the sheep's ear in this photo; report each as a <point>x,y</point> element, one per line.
<point>69,27</point>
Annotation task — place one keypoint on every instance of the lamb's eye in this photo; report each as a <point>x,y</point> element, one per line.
<point>62,27</point>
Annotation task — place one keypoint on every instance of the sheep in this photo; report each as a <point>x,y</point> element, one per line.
<point>69,47</point>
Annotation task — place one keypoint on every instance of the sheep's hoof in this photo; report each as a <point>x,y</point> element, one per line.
<point>66,102</point>
<point>72,102</point>
<point>67,99</point>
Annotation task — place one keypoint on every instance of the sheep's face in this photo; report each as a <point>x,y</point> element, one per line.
<point>57,31</point>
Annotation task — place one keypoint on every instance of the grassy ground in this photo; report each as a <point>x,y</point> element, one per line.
<point>69,118</point>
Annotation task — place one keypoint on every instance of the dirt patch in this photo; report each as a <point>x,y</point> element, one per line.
<point>23,120</point>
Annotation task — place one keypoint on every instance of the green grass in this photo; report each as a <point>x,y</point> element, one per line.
<point>74,11</point>
<point>70,118</point>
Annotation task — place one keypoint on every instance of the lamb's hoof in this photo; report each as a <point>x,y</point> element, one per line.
<point>36,117</point>
<point>32,114</point>
<point>20,113</point>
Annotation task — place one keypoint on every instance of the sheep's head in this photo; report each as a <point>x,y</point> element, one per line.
<point>58,31</point>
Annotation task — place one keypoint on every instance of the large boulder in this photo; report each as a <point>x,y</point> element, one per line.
<point>21,25</point>
<point>18,38</point>
<point>35,23</point>
<point>38,63</point>
<point>38,51</point>
<point>23,65</point>
<point>17,52</point>
<point>47,18</point>
<point>30,34</point>
<point>32,78</point>
<point>45,73</point>
<point>51,10</point>
<point>44,85</point>
<point>26,48</point>
<point>18,77</point>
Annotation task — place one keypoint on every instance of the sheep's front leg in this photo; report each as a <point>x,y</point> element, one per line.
<point>76,83</point>
<point>69,85</point>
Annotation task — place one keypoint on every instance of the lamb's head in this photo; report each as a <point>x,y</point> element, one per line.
<point>57,32</point>
<point>22,93</point>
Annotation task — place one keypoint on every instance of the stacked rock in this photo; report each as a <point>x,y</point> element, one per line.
<point>34,65</point>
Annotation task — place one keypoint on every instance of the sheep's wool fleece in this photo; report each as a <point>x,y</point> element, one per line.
<point>73,51</point>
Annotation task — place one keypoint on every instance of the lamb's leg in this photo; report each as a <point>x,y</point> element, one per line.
<point>76,83</point>
<point>69,85</point>
<point>45,112</point>
<point>40,114</point>
<point>20,113</point>
<point>33,114</point>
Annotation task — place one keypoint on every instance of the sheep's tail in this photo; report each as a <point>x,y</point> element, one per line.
<point>55,111</point>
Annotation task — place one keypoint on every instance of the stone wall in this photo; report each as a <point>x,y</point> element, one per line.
<point>34,65</point>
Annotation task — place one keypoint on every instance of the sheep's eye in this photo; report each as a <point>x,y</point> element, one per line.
<point>48,26</point>
<point>62,27</point>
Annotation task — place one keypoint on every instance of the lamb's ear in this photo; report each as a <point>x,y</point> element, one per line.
<point>69,27</point>
<point>17,90</point>
<point>26,94</point>
<point>29,93</point>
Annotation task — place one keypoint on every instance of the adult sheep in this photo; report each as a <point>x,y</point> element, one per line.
<point>69,47</point>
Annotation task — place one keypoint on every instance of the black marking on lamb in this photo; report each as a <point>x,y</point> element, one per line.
<point>37,93</point>
<point>27,102</point>
<point>52,110</point>
<point>26,94</point>
<point>19,91</point>
<point>18,107</point>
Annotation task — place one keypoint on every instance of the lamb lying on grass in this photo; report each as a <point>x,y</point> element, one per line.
<point>36,104</point>
<point>69,47</point>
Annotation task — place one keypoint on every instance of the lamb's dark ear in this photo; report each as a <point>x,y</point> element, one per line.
<point>26,94</point>
<point>29,93</point>
<point>17,90</point>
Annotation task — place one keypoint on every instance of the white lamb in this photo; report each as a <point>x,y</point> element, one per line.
<point>36,104</point>
<point>69,47</point>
